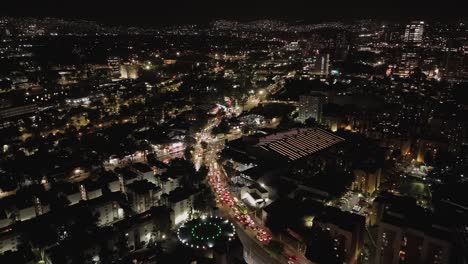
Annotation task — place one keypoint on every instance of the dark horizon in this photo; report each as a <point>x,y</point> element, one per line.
<point>184,12</point>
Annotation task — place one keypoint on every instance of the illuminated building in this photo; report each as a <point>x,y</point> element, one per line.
<point>10,239</point>
<point>144,228</point>
<point>310,106</point>
<point>169,62</point>
<point>367,180</point>
<point>401,244</point>
<point>409,234</point>
<point>414,33</point>
<point>409,62</point>
<point>324,64</point>
<point>293,46</point>
<point>143,195</point>
<point>144,172</point>
<point>107,209</point>
<point>169,184</point>
<point>320,64</point>
<point>90,189</point>
<point>298,143</point>
<point>114,65</point>
<point>346,229</point>
<point>180,201</point>
<point>31,208</point>
<point>413,39</point>
<point>255,195</point>
<point>129,71</point>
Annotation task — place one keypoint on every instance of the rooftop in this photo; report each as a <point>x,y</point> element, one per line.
<point>141,186</point>
<point>127,174</point>
<point>345,220</point>
<point>403,212</point>
<point>180,194</point>
<point>141,167</point>
<point>298,143</point>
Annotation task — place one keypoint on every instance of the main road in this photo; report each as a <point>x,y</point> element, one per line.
<point>254,236</point>
<point>251,232</point>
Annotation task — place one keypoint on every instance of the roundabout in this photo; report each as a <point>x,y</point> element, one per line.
<point>206,232</point>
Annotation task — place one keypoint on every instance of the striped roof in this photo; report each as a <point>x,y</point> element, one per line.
<point>298,143</point>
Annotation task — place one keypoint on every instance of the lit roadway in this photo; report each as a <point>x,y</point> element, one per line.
<point>262,96</point>
<point>248,228</point>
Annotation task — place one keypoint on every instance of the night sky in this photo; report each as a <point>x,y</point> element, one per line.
<point>157,12</point>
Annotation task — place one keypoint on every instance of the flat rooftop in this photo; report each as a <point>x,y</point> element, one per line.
<point>298,143</point>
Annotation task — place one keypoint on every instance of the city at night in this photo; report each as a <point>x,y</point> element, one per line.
<point>233,132</point>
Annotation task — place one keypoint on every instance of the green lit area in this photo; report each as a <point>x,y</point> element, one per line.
<point>206,232</point>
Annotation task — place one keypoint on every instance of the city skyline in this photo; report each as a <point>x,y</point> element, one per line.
<point>233,133</point>
<point>155,13</point>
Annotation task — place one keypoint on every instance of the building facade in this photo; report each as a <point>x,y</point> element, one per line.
<point>310,106</point>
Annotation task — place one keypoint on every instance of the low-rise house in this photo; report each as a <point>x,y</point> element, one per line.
<point>254,194</point>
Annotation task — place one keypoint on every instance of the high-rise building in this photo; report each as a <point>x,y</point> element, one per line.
<point>413,39</point>
<point>114,65</point>
<point>322,64</point>
<point>346,229</point>
<point>409,62</point>
<point>414,33</point>
<point>311,106</point>
<point>129,71</point>
<point>408,233</point>
<point>318,64</point>
<point>454,59</point>
<point>341,46</point>
<point>401,244</point>
<point>367,179</point>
